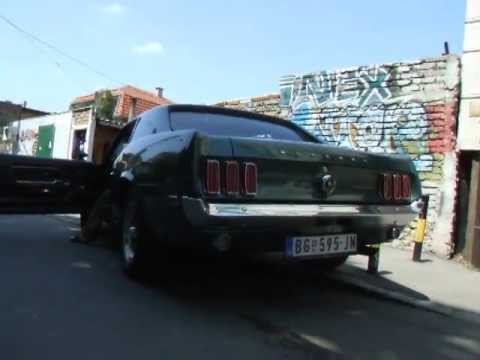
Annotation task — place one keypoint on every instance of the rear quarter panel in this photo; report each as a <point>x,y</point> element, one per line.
<point>159,164</point>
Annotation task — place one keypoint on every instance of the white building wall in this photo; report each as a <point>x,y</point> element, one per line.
<point>90,143</point>
<point>469,118</point>
<point>29,133</point>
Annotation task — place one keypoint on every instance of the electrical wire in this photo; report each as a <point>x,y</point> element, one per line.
<point>57,50</point>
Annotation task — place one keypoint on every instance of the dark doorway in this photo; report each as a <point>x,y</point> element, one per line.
<point>463,190</point>
<point>78,150</point>
<point>468,207</point>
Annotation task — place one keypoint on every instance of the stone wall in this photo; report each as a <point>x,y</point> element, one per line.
<point>406,107</point>
<point>267,104</point>
<point>81,116</point>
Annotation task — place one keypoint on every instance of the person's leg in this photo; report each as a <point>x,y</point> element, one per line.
<point>96,216</point>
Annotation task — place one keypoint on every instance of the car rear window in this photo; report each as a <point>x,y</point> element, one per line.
<point>228,125</point>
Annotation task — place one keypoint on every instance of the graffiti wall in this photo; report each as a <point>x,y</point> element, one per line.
<point>58,137</point>
<point>267,104</point>
<point>407,108</point>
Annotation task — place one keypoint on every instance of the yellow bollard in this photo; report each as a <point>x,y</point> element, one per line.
<point>421,227</point>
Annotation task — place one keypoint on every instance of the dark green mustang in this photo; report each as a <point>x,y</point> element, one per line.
<point>193,178</point>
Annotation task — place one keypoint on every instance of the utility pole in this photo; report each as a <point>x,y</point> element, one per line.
<point>20,115</point>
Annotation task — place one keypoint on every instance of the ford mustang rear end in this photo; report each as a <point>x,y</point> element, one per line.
<point>245,182</point>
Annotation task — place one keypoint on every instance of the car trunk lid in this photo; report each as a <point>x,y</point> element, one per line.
<point>306,172</point>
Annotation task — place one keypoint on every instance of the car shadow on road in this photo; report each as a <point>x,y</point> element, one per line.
<point>307,310</point>
<point>352,275</point>
<point>312,311</point>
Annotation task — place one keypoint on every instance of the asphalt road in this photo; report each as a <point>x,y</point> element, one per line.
<point>60,300</point>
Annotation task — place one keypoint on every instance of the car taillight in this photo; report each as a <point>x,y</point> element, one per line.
<point>212,180</point>
<point>232,180</point>
<point>406,187</point>
<point>250,174</point>
<point>387,187</point>
<point>395,187</point>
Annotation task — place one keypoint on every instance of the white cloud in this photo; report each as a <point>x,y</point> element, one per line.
<point>150,47</point>
<point>114,9</point>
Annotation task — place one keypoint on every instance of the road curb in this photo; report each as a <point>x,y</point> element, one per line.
<point>428,305</point>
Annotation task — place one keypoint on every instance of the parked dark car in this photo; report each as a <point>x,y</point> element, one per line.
<point>194,178</point>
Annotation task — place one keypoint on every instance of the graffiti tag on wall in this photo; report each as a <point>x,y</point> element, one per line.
<point>360,109</point>
<point>28,142</point>
<point>360,87</point>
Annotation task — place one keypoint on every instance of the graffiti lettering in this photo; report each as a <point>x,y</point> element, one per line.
<point>357,109</point>
<point>359,87</point>
<point>374,85</point>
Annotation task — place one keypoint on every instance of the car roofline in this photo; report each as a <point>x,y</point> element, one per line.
<point>239,113</point>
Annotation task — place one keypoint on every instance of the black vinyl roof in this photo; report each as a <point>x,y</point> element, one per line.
<point>239,113</point>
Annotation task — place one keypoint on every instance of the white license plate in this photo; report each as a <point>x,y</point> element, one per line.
<point>299,246</point>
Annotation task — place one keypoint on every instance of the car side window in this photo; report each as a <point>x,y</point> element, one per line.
<point>121,141</point>
<point>151,122</point>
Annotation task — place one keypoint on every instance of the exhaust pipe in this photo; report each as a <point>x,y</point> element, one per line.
<point>222,242</point>
<point>395,232</point>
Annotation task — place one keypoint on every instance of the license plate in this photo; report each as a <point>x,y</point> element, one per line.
<point>299,246</point>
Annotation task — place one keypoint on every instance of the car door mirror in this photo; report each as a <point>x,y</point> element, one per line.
<point>118,144</point>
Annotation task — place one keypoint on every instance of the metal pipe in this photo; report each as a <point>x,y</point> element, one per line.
<point>20,115</point>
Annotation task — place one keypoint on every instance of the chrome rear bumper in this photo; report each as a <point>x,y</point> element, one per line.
<point>199,212</point>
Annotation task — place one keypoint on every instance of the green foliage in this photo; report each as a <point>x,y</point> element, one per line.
<point>105,105</point>
<point>4,121</point>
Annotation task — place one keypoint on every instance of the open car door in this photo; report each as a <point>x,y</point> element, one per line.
<point>31,185</point>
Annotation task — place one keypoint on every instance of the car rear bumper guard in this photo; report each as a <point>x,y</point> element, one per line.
<point>200,212</point>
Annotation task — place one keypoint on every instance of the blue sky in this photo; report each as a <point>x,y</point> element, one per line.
<point>211,50</point>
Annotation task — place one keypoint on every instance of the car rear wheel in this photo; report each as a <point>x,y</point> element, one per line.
<point>134,241</point>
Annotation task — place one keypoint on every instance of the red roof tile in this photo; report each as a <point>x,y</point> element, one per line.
<point>129,91</point>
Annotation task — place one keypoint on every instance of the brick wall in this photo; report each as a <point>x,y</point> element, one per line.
<point>81,117</point>
<point>405,107</point>
<point>125,104</point>
<point>268,104</point>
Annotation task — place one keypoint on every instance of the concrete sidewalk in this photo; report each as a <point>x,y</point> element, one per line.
<point>438,285</point>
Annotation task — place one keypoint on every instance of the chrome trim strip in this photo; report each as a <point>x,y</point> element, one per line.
<point>303,210</point>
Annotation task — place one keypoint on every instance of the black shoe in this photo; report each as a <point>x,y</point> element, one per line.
<point>78,239</point>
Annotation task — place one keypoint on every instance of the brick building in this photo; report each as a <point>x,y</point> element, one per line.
<point>91,133</point>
